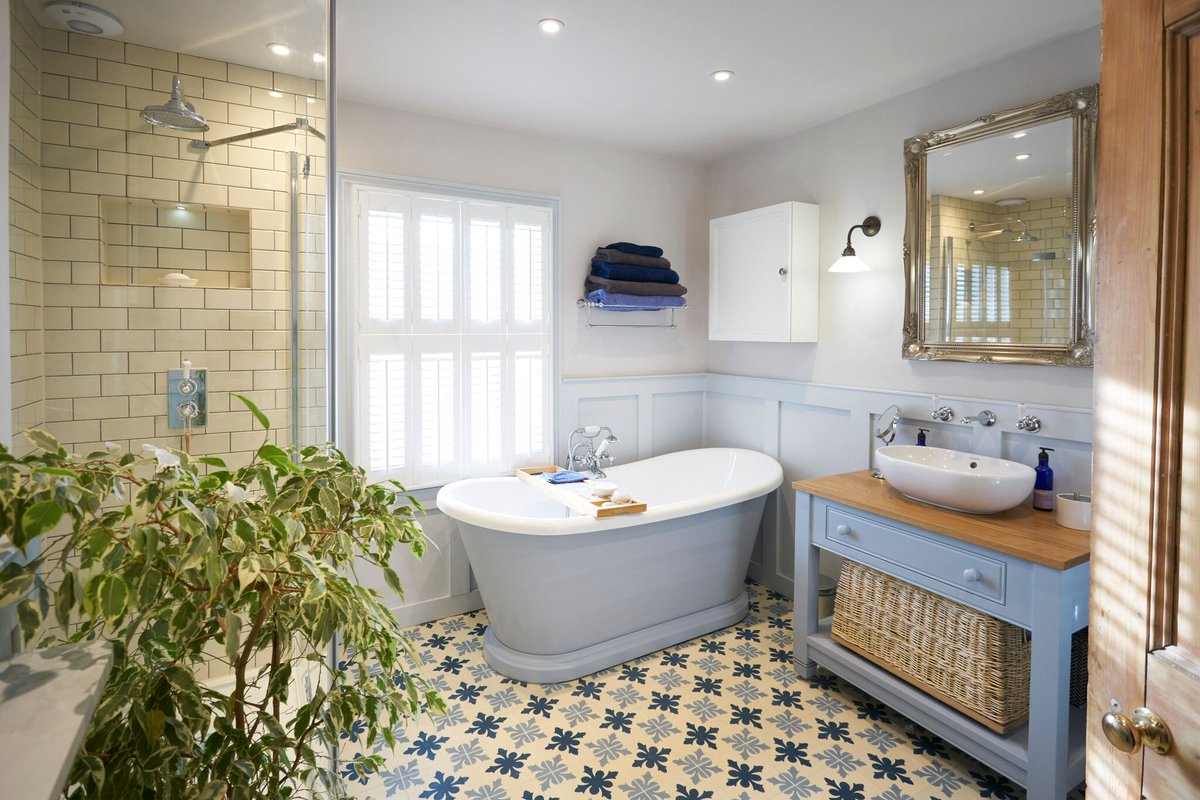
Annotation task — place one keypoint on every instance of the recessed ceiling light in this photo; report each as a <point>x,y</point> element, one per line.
<point>1022,156</point>
<point>318,58</point>
<point>1018,134</point>
<point>181,208</point>
<point>550,25</point>
<point>722,75</point>
<point>977,191</point>
<point>279,49</point>
<point>274,93</point>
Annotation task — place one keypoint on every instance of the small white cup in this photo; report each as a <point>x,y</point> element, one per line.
<point>1074,510</point>
<point>602,488</point>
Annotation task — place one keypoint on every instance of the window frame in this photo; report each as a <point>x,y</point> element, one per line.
<point>347,308</point>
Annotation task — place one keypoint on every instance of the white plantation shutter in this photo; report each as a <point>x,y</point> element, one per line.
<point>385,262</point>
<point>454,338</point>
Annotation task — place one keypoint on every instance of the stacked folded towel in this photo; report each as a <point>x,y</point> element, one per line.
<point>635,277</point>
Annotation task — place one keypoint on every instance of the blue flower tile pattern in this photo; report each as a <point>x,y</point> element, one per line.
<point>720,717</point>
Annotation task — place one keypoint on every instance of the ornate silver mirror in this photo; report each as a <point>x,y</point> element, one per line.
<point>998,240</point>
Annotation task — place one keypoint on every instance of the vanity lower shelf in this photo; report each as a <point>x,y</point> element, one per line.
<point>1009,754</point>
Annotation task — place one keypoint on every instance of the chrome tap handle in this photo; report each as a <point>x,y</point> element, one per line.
<point>942,414</point>
<point>1029,423</point>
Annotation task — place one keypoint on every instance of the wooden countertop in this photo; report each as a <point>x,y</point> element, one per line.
<point>1021,531</point>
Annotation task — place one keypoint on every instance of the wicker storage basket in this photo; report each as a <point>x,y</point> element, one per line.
<point>973,662</point>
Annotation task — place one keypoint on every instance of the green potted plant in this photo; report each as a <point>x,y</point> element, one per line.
<point>178,561</point>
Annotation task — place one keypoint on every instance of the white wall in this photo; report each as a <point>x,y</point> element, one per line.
<point>852,167</point>
<point>606,194</point>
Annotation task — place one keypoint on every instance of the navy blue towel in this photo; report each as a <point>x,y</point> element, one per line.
<point>632,272</point>
<point>636,249</point>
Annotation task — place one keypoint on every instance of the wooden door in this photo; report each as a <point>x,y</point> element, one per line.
<point>1145,597</point>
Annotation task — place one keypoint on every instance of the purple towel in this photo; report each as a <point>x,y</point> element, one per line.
<point>636,249</point>
<point>619,257</point>
<point>634,287</point>
<point>635,302</point>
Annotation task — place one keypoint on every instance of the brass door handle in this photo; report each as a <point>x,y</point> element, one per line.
<point>1128,735</point>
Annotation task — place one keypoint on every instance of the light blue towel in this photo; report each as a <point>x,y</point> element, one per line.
<point>634,302</point>
<point>565,476</point>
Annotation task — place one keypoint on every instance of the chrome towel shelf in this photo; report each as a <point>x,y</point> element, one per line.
<point>590,306</point>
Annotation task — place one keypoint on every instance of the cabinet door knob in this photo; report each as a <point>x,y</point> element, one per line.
<point>783,271</point>
<point>971,575</point>
<point>842,530</point>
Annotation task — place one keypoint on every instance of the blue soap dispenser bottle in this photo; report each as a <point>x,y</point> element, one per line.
<point>921,437</point>
<point>1043,483</point>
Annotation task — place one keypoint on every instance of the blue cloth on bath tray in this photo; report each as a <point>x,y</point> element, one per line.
<point>632,272</point>
<point>565,476</point>
<point>635,302</point>
<point>636,249</point>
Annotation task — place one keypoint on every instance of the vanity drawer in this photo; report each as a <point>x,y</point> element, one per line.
<point>935,560</point>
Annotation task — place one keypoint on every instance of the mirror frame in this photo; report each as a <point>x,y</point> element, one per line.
<point>1081,106</point>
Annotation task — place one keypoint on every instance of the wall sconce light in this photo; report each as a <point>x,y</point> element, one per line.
<point>849,262</point>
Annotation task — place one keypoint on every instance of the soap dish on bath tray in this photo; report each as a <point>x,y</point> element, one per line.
<point>588,503</point>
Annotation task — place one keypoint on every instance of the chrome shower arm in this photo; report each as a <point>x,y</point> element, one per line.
<point>301,124</point>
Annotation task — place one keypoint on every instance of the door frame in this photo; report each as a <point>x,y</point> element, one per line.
<point>1142,237</point>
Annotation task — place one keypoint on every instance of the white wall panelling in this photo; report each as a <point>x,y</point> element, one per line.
<point>811,429</point>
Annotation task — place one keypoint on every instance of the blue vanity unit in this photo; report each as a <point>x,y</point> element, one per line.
<point>1018,566</point>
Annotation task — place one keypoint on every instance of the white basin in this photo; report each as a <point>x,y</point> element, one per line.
<point>954,480</point>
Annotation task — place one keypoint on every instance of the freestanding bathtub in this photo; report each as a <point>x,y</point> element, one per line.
<point>568,594</point>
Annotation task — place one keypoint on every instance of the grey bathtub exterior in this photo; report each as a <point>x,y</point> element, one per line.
<point>563,606</point>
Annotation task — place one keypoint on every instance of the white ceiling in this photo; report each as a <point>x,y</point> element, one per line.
<point>636,73</point>
<point>237,31</point>
<point>991,165</point>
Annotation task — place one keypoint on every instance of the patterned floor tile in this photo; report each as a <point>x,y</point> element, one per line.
<point>721,717</point>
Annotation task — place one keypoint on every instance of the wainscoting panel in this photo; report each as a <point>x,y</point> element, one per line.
<point>811,429</point>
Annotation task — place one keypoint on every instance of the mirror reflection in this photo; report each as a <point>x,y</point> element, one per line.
<point>1000,242</point>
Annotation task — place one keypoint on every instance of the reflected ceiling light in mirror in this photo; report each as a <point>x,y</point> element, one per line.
<point>550,25</point>
<point>977,191</point>
<point>279,49</point>
<point>1011,201</point>
<point>1019,134</point>
<point>1022,156</point>
<point>850,262</point>
<point>722,75</point>
<point>318,58</point>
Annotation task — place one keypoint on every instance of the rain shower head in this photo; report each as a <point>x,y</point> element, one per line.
<point>177,113</point>
<point>1025,235</point>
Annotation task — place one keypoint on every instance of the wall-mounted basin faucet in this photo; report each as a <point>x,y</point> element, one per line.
<point>941,413</point>
<point>985,418</point>
<point>1027,422</point>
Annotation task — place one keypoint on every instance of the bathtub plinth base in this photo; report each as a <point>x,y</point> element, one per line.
<point>577,663</point>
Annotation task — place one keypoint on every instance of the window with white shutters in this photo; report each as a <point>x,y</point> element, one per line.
<point>452,342</point>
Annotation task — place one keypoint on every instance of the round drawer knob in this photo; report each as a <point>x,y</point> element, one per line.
<point>971,575</point>
<point>783,271</point>
<point>842,530</point>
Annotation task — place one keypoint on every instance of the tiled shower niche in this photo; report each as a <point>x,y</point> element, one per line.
<point>145,240</point>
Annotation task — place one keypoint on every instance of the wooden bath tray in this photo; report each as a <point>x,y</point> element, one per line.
<point>584,503</point>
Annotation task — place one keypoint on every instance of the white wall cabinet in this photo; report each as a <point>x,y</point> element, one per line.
<point>763,274</point>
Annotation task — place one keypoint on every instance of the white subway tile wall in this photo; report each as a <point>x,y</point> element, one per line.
<point>95,226</point>
<point>25,223</point>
